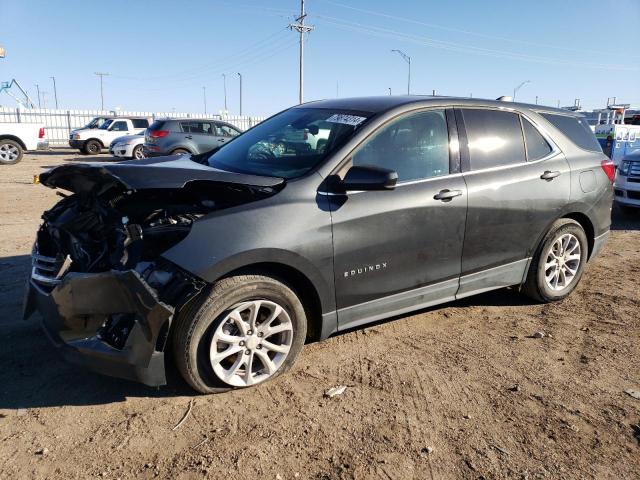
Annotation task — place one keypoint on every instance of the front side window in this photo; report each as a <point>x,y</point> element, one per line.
<point>227,131</point>
<point>288,145</point>
<point>415,146</point>
<point>537,146</point>
<point>106,124</point>
<point>494,138</point>
<point>119,126</point>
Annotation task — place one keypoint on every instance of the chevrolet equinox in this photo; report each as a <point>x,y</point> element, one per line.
<point>234,258</point>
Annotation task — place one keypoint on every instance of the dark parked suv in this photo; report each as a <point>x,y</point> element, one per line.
<point>235,258</point>
<point>188,135</point>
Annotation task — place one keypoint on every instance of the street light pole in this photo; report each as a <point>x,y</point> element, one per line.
<point>389,90</point>
<point>240,76</point>
<point>55,91</point>
<point>38,89</point>
<point>407,59</point>
<point>515,90</point>
<point>204,99</point>
<point>101,75</point>
<point>224,86</point>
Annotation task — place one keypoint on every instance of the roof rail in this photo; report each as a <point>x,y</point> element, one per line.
<point>505,98</point>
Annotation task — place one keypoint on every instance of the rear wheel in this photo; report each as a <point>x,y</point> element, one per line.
<point>10,152</point>
<point>137,153</point>
<point>92,147</point>
<point>559,262</point>
<point>249,329</point>
<point>180,151</point>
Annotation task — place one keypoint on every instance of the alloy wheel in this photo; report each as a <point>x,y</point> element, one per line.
<point>9,153</point>
<point>562,262</point>
<point>251,343</point>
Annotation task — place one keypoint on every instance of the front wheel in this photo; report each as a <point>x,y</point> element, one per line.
<point>10,152</point>
<point>137,153</point>
<point>558,263</point>
<point>247,330</point>
<point>92,147</point>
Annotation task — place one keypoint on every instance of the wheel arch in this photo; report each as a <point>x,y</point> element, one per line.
<point>95,140</point>
<point>180,147</point>
<point>18,140</point>
<point>297,281</point>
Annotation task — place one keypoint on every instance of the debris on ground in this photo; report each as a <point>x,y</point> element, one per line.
<point>539,334</point>
<point>42,451</point>
<point>335,391</point>
<point>426,450</point>
<point>184,418</point>
<point>633,393</point>
<point>515,388</point>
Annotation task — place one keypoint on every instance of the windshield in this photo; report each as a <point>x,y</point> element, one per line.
<point>289,144</point>
<point>95,123</point>
<point>105,124</point>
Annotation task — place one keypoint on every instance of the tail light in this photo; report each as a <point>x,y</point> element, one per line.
<point>41,132</point>
<point>158,133</point>
<point>609,169</point>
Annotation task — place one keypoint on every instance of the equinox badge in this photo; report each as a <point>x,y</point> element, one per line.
<point>365,269</point>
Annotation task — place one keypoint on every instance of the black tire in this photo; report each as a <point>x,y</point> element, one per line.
<point>137,154</point>
<point>92,147</point>
<point>628,210</point>
<point>535,285</point>
<point>11,152</point>
<point>180,151</point>
<point>196,324</point>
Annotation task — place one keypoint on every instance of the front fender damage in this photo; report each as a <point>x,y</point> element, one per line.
<point>113,322</point>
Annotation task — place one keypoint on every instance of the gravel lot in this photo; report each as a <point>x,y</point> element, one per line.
<point>457,391</point>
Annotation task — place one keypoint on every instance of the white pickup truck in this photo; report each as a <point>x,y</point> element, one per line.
<point>16,138</point>
<point>92,140</point>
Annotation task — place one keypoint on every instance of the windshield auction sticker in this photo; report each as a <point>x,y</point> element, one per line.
<point>346,119</point>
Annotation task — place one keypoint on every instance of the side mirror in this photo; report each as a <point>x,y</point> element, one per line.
<point>369,178</point>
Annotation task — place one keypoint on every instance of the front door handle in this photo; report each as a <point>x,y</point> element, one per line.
<point>446,195</point>
<point>549,175</point>
<point>188,136</point>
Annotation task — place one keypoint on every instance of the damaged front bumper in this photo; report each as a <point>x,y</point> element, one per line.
<point>110,322</point>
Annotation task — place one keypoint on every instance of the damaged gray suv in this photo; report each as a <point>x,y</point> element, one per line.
<point>234,258</point>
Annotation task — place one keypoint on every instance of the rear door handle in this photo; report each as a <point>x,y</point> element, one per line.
<point>446,195</point>
<point>549,175</point>
<point>189,137</point>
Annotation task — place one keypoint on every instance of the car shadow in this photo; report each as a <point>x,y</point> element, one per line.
<point>33,373</point>
<point>625,219</point>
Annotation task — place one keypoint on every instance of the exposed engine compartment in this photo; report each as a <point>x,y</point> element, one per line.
<point>118,229</point>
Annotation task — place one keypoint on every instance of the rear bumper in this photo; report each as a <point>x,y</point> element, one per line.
<point>43,145</point>
<point>598,244</point>
<point>151,152</point>
<point>110,322</point>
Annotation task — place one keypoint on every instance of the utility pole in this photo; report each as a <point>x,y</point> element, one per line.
<point>204,99</point>
<point>240,76</point>
<point>407,59</point>
<point>301,28</point>
<point>389,90</point>
<point>536,99</point>
<point>38,89</point>
<point>44,101</point>
<point>55,91</point>
<point>101,75</point>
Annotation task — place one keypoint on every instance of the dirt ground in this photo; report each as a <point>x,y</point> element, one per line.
<point>458,391</point>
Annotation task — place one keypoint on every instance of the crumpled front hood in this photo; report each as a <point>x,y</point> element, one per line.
<point>161,172</point>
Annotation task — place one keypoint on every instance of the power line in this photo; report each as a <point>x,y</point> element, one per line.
<point>301,28</point>
<point>426,41</point>
<point>468,32</point>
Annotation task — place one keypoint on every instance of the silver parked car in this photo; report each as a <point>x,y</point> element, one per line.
<point>188,135</point>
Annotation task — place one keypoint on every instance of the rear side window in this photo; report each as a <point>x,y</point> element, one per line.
<point>197,127</point>
<point>494,138</point>
<point>577,129</point>
<point>157,125</point>
<point>119,126</point>
<point>537,146</point>
<point>140,122</point>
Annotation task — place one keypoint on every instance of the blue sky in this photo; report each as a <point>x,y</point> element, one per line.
<point>161,53</point>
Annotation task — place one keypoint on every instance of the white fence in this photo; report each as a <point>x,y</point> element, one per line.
<point>58,123</point>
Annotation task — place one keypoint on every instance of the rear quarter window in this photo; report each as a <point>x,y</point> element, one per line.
<point>140,122</point>
<point>577,129</point>
<point>157,125</point>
